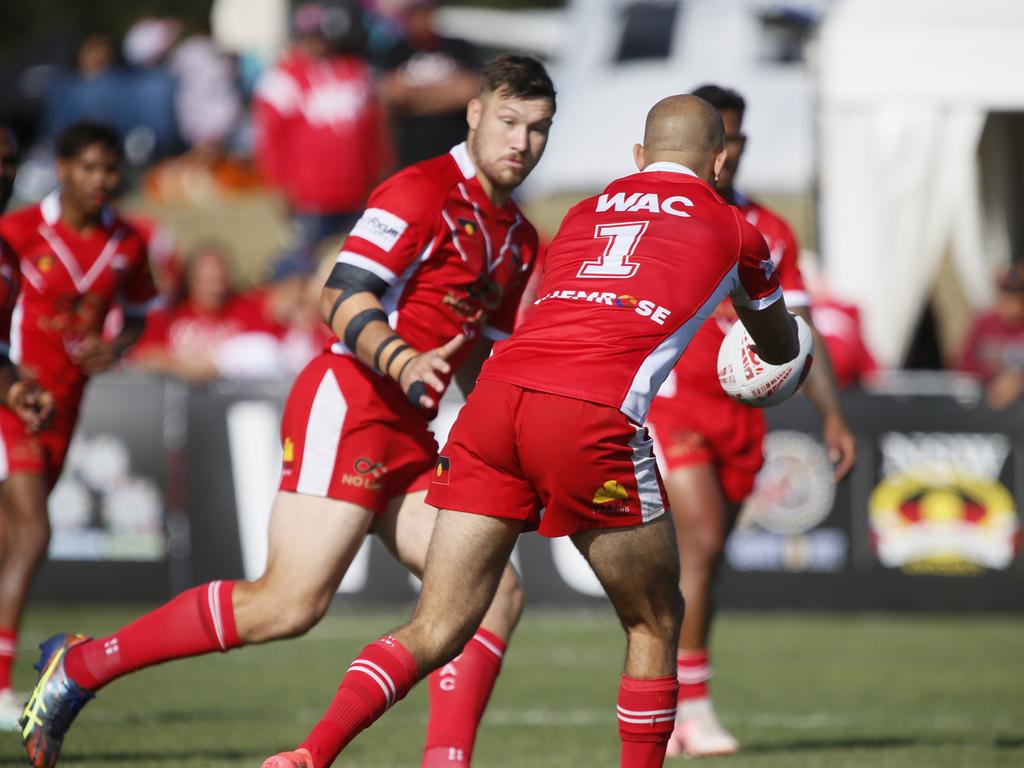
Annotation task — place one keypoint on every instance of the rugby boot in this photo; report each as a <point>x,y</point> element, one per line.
<point>300,758</point>
<point>698,732</point>
<point>54,703</point>
<point>11,705</point>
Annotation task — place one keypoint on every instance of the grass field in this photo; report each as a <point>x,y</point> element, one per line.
<point>799,691</point>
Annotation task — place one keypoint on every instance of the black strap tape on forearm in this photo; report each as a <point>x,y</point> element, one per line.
<point>358,324</point>
<point>380,350</point>
<point>394,356</point>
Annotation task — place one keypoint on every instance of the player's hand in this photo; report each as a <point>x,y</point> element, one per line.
<point>425,370</point>
<point>840,444</point>
<point>93,355</point>
<point>32,404</point>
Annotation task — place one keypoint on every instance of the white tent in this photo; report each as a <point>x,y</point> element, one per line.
<point>906,90</point>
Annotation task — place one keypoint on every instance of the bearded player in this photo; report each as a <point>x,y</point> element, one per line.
<point>76,259</point>
<point>440,256</point>
<point>710,447</point>
<point>24,408</point>
<point>555,423</point>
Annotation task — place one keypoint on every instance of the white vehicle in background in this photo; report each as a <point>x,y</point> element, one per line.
<point>613,59</point>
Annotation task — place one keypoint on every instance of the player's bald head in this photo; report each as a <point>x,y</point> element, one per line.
<point>683,126</point>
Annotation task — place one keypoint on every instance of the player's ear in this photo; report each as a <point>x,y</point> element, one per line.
<point>474,110</point>
<point>720,162</point>
<point>638,156</point>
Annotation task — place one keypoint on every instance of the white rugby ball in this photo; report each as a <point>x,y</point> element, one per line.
<point>746,377</point>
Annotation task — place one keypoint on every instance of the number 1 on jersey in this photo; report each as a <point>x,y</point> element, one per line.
<point>622,241</point>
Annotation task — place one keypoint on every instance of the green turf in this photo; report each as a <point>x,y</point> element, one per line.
<point>799,691</point>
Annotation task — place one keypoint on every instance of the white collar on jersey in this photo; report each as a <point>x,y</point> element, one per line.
<point>665,165</point>
<point>50,208</point>
<point>461,154</point>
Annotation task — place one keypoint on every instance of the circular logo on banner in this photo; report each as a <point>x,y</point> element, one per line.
<point>794,490</point>
<point>958,524</point>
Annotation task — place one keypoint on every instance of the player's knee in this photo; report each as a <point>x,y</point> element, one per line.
<point>285,613</point>
<point>443,639</point>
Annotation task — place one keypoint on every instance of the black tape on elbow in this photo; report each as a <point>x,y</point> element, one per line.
<point>350,279</point>
<point>358,324</point>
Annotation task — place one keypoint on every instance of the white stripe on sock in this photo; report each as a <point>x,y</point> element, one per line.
<point>357,666</point>
<point>213,596</point>
<point>489,646</point>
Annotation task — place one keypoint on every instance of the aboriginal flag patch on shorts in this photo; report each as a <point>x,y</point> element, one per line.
<point>443,471</point>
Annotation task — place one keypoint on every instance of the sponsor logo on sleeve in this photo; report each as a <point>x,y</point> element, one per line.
<point>380,227</point>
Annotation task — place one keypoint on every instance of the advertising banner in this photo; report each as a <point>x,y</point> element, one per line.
<point>168,487</point>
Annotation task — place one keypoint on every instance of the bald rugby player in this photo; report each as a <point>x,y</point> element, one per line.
<point>628,280</point>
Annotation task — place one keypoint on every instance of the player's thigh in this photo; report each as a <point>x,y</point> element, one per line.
<point>405,528</point>
<point>312,542</point>
<point>639,570</point>
<point>465,561</point>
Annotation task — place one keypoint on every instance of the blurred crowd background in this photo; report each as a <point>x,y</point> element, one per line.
<point>255,129</point>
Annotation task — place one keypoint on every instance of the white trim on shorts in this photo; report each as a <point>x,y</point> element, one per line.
<point>645,470</point>
<point>323,434</point>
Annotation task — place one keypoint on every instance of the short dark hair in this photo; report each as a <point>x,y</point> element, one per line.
<point>722,98</point>
<point>519,76</point>
<point>77,136</point>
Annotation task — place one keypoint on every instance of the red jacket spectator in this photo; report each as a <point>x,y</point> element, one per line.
<point>839,325</point>
<point>318,131</point>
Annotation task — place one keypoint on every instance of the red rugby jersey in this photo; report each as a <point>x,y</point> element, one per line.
<point>70,282</point>
<point>697,370</point>
<point>628,280</point>
<point>455,263</point>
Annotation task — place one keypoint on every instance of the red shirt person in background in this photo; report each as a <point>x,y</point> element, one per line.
<point>182,340</point>
<point>994,349</point>
<point>318,125</point>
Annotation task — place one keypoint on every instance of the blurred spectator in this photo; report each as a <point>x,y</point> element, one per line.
<point>208,100</point>
<point>149,40</point>
<point>139,103</point>
<point>216,332</point>
<point>317,124</point>
<point>839,325</point>
<point>427,83</point>
<point>183,340</point>
<point>994,350</point>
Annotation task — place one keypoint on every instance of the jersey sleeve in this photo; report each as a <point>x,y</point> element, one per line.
<point>398,227</point>
<point>788,268</point>
<point>139,295</point>
<point>759,285</point>
<point>502,322</point>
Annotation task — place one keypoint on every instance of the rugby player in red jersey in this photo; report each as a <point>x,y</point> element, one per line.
<point>710,448</point>
<point>440,257</point>
<point>76,258</point>
<point>22,400</point>
<point>555,423</point>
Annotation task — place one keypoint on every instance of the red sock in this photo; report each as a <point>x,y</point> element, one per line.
<point>647,714</point>
<point>694,672</point>
<point>381,675</point>
<point>200,620</point>
<point>459,692</point>
<point>8,648</point>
